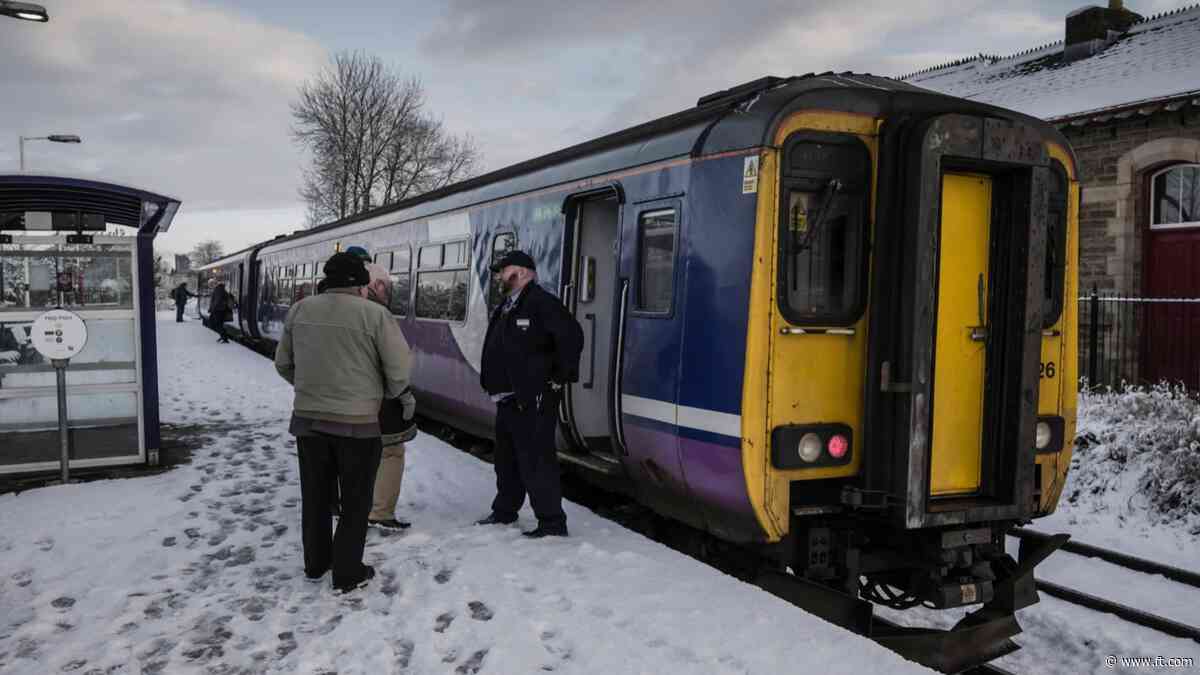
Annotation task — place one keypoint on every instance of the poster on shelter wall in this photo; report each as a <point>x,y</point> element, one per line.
<point>16,347</point>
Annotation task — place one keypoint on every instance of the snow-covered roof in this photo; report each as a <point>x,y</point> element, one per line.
<point>1157,60</point>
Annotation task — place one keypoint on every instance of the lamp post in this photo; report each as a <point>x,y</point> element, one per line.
<point>53,138</point>
<point>26,11</point>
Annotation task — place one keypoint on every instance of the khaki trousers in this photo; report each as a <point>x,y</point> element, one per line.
<point>387,482</point>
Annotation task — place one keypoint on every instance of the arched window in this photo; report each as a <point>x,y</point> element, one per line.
<point>1175,195</point>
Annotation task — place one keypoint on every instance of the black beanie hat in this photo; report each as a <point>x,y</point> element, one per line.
<point>344,269</point>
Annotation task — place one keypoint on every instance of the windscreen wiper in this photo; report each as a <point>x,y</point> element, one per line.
<point>832,188</point>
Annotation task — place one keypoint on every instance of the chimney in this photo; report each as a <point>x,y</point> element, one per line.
<point>1090,30</point>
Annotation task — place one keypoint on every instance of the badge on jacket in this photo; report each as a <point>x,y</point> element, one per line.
<point>523,324</point>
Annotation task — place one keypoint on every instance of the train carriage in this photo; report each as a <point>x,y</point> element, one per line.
<point>824,316</point>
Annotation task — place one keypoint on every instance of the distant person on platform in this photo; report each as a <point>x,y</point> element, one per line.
<point>396,426</point>
<point>220,310</point>
<point>344,355</point>
<point>181,295</point>
<point>530,353</point>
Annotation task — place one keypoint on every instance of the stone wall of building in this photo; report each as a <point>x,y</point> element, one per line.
<point>1115,159</point>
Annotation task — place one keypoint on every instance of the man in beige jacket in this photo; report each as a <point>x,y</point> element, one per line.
<point>344,355</point>
<point>396,425</point>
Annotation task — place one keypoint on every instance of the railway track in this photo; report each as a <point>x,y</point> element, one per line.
<point>1126,561</point>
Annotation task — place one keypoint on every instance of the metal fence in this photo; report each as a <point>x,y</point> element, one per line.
<point>1127,340</point>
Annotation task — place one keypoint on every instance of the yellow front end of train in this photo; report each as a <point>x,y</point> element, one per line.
<point>910,383</point>
<point>815,374</point>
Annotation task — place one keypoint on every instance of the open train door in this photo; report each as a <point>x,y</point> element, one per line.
<point>955,345</point>
<point>590,291</point>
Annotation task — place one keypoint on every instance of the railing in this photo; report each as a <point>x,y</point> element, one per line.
<point>1129,340</point>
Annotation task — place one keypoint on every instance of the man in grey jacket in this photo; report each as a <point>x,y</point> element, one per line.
<point>343,354</point>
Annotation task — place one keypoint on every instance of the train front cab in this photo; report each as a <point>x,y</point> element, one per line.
<point>909,388</point>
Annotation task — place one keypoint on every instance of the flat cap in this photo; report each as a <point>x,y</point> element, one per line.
<point>518,258</point>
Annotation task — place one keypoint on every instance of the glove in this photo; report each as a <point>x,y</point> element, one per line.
<point>409,403</point>
<point>397,419</point>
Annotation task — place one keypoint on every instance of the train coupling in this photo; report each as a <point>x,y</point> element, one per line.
<point>986,633</point>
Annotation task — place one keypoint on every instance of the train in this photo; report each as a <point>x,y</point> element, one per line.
<point>827,317</point>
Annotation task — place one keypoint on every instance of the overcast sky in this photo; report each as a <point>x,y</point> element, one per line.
<point>190,97</point>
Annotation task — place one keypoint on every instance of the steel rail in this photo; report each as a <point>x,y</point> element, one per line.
<point>1117,558</point>
<point>1137,616</point>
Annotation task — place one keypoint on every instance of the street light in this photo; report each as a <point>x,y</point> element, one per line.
<point>24,10</point>
<point>53,138</point>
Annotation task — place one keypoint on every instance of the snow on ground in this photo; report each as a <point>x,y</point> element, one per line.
<point>198,570</point>
<point>1134,484</point>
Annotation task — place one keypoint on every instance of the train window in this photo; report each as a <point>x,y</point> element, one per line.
<point>823,229</point>
<point>401,259</point>
<point>430,256</point>
<point>401,281</point>
<point>1056,247</point>
<point>502,243</point>
<point>656,260</point>
<point>384,259</point>
<point>456,253</point>
<point>442,294</point>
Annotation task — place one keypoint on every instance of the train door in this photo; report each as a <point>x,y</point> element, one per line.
<point>592,284</point>
<point>956,451</point>
<point>242,302</point>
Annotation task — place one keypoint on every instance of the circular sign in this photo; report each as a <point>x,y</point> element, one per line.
<point>58,334</point>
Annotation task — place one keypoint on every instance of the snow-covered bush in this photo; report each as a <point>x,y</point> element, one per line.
<point>1138,450</point>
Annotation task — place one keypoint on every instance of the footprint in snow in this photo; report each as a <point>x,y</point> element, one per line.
<point>443,622</point>
<point>480,611</point>
<point>473,664</point>
<point>553,643</point>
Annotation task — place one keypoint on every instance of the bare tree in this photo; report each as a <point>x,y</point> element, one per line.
<point>371,140</point>
<point>206,252</point>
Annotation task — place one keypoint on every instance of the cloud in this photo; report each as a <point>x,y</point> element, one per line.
<point>169,95</point>
<point>600,67</point>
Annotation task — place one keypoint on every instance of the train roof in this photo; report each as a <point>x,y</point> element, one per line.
<point>732,119</point>
<point>228,258</point>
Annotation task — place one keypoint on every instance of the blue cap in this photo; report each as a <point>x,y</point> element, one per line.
<point>359,252</point>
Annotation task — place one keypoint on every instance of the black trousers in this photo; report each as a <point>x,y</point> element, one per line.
<point>179,313</point>
<point>355,461</point>
<point>526,462</point>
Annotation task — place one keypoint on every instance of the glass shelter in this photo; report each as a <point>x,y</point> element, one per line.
<point>112,388</point>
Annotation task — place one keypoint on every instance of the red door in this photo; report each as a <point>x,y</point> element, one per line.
<point>1172,328</point>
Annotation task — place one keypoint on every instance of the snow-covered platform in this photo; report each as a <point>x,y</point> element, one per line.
<point>199,569</point>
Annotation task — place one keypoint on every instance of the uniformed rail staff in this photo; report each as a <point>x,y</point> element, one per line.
<point>530,353</point>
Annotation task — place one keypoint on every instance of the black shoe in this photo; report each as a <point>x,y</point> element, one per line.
<point>315,579</point>
<point>493,519</point>
<point>546,531</point>
<point>368,575</point>
<point>391,524</point>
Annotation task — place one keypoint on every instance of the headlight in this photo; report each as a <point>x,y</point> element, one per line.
<point>810,447</point>
<point>1044,435</point>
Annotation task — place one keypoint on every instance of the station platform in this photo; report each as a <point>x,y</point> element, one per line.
<point>199,569</point>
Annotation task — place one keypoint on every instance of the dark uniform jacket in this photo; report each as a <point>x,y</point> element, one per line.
<point>536,343</point>
<point>181,295</point>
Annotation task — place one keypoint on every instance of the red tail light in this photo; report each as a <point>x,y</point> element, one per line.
<point>837,446</point>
